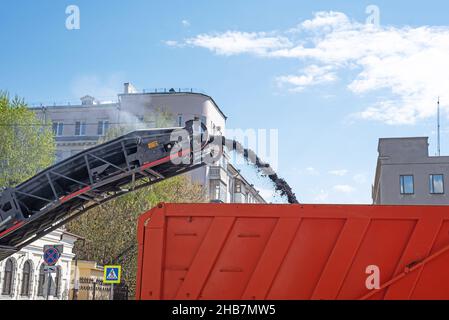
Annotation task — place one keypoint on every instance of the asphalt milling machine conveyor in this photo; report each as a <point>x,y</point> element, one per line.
<point>81,182</point>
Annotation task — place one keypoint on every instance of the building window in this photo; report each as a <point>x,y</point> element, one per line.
<point>80,128</point>
<point>57,281</point>
<point>58,128</point>
<point>26,277</point>
<point>41,284</point>
<point>436,184</point>
<point>204,122</point>
<point>103,127</point>
<point>238,187</point>
<point>197,123</point>
<point>217,190</point>
<point>407,185</point>
<point>180,124</point>
<point>7,277</point>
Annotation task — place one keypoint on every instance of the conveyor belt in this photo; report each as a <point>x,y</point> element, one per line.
<point>67,189</point>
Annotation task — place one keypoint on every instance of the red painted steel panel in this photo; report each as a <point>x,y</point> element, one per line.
<point>245,251</point>
<point>271,259</point>
<point>383,244</point>
<point>205,259</point>
<point>306,259</point>
<point>184,236</point>
<point>339,262</point>
<point>238,258</point>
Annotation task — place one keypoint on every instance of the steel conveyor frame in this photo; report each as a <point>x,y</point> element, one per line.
<point>92,177</point>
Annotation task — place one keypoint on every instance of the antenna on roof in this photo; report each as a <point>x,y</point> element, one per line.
<point>438,127</point>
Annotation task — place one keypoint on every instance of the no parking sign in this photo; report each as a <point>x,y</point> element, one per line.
<point>52,253</point>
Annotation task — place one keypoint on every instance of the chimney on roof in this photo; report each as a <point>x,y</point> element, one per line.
<point>129,88</point>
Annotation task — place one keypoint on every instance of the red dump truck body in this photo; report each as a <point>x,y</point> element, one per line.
<point>244,251</point>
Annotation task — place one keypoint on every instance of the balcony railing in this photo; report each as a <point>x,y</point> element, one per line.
<point>174,90</point>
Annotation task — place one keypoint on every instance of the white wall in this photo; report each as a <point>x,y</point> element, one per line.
<point>34,253</point>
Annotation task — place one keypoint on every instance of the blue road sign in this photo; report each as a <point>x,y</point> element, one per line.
<point>51,256</point>
<point>112,274</point>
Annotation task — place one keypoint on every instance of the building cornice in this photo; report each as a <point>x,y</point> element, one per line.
<point>176,94</point>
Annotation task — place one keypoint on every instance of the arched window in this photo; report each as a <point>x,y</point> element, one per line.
<point>8,276</point>
<point>26,277</point>
<point>41,284</point>
<point>57,281</point>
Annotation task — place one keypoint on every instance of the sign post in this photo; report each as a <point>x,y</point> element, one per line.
<point>111,275</point>
<point>52,253</point>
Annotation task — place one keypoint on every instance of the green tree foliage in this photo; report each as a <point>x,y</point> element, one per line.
<point>110,229</point>
<point>27,144</point>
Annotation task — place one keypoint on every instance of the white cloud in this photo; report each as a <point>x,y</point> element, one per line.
<point>172,43</point>
<point>236,42</point>
<point>326,20</point>
<point>312,75</point>
<point>185,23</point>
<point>407,62</point>
<point>340,172</point>
<point>343,188</point>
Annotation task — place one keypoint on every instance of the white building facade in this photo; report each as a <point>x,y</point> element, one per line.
<point>22,274</point>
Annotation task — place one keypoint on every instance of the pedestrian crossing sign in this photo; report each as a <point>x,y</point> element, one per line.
<point>112,274</point>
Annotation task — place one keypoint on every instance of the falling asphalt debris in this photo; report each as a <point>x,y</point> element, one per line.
<point>280,184</point>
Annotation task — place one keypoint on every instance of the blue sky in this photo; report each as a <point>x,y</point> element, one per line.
<point>313,70</point>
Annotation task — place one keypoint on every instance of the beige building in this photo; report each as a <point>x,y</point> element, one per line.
<point>78,127</point>
<point>83,275</point>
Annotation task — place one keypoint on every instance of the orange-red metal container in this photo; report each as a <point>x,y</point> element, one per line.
<point>244,251</point>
